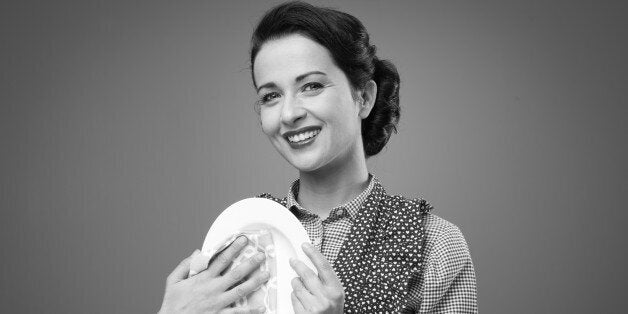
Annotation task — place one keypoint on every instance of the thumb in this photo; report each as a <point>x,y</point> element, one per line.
<point>181,271</point>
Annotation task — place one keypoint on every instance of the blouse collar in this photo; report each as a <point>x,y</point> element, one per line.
<point>350,209</point>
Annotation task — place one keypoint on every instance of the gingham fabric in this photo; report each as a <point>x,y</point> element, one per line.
<point>328,234</point>
<point>446,283</point>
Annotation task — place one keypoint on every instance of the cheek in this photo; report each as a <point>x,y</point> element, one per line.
<point>343,114</point>
<point>268,123</point>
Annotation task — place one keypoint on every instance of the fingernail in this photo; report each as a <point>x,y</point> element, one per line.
<point>242,240</point>
<point>291,261</point>
<point>261,309</point>
<point>306,246</point>
<point>260,257</point>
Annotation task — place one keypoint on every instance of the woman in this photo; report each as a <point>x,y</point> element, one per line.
<point>327,103</point>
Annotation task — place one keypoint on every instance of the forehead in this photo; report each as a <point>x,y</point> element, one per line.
<point>290,56</point>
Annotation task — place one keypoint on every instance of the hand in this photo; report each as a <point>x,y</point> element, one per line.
<point>211,291</point>
<point>312,293</point>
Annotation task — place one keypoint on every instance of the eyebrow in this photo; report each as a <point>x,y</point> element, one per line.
<point>297,79</point>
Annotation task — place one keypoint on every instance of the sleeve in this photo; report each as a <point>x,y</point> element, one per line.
<point>448,284</point>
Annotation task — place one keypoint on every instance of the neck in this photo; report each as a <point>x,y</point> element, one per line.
<point>324,189</point>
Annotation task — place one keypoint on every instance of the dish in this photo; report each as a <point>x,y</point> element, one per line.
<point>263,214</point>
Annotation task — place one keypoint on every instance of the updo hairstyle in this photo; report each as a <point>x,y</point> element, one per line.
<point>346,39</point>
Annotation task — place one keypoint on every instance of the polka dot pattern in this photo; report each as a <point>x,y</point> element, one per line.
<point>383,250</point>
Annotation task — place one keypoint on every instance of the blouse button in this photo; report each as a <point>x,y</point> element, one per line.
<point>340,212</point>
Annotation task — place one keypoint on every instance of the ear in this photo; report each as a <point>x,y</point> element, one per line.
<point>368,98</point>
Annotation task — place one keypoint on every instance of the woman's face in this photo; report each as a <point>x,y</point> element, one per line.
<point>306,105</point>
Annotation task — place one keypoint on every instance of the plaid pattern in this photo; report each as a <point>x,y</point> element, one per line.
<point>447,283</point>
<point>328,234</point>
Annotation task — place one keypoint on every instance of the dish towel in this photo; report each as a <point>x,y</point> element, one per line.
<point>259,241</point>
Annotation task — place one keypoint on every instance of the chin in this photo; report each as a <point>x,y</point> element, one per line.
<point>306,168</point>
<point>302,162</point>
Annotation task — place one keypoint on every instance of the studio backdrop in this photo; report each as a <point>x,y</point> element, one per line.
<point>126,127</point>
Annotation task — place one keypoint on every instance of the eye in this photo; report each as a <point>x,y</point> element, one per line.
<point>268,97</point>
<point>312,86</point>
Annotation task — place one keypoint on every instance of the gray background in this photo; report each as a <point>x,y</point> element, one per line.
<point>127,127</point>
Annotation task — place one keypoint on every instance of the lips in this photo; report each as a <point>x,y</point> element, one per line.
<point>302,137</point>
<point>297,132</point>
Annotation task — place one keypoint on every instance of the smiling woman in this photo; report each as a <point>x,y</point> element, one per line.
<point>327,103</point>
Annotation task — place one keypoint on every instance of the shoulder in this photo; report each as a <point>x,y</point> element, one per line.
<point>440,230</point>
<point>448,282</point>
<point>445,243</point>
<point>408,207</point>
<point>437,229</point>
<point>448,266</point>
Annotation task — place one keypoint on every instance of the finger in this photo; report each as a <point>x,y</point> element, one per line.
<point>296,303</point>
<point>308,277</point>
<point>305,297</point>
<point>244,289</point>
<point>181,271</point>
<point>325,271</point>
<point>235,275</point>
<point>245,310</point>
<point>224,259</point>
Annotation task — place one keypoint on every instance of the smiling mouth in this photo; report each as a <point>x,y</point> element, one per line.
<point>303,137</point>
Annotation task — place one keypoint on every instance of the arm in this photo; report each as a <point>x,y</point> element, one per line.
<point>448,284</point>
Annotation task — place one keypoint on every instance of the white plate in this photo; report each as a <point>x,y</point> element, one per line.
<point>287,232</point>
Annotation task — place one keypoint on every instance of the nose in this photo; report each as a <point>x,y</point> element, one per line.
<point>292,111</point>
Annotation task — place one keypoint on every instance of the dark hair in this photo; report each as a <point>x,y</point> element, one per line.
<point>348,42</point>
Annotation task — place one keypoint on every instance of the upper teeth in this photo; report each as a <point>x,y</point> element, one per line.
<point>303,136</point>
